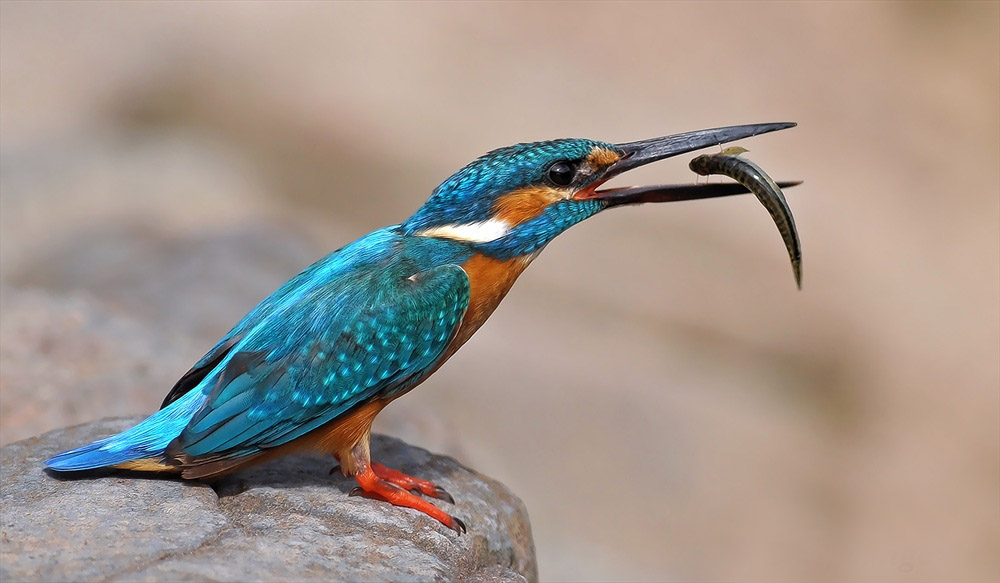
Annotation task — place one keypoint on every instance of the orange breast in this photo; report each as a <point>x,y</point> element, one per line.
<point>489,281</point>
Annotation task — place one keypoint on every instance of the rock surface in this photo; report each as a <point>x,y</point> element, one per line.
<point>286,520</point>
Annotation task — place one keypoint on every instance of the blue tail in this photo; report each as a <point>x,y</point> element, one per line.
<point>146,440</point>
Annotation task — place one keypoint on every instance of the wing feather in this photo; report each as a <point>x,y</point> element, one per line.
<point>292,374</point>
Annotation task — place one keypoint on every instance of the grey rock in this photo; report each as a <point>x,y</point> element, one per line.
<point>285,520</point>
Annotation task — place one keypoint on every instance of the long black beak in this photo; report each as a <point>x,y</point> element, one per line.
<point>646,151</point>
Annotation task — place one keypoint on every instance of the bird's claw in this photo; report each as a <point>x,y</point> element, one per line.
<point>453,522</point>
<point>359,491</point>
<point>441,494</point>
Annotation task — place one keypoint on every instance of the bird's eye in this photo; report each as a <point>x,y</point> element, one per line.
<point>561,173</point>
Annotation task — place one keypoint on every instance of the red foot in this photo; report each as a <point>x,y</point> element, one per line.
<point>410,483</point>
<point>374,485</point>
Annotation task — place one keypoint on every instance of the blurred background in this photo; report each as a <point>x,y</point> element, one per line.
<point>654,388</point>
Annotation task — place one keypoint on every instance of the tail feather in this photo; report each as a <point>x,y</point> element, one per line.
<point>143,444</point>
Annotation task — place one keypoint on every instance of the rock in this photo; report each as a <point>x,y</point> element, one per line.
<point>285,520</point>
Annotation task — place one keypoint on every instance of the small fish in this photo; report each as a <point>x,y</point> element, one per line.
<point>728,163</point>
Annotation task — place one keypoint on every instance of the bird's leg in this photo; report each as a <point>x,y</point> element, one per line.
<point>405,481</point>
<point>373,483</point>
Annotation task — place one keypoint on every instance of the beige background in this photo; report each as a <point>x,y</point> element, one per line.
<point>666,403</point>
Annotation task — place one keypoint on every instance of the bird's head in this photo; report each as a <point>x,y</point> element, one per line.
<point>513,201</point>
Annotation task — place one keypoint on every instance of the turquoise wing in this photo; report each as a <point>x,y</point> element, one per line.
<point>335,347</point>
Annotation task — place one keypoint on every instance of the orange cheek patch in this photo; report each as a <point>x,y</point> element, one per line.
<point>521,205</point>
<point>601,157</point>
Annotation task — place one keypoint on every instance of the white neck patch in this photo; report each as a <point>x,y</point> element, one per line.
<point>481,232</point>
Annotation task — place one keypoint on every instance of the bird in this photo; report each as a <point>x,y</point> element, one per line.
<point>311,366</point>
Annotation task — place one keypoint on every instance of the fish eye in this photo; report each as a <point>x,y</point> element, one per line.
<point>561,173</point>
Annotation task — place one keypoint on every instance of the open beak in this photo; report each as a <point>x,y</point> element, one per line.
<point>646,151</point>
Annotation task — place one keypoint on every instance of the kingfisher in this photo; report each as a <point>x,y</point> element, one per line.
<point>311,366</point>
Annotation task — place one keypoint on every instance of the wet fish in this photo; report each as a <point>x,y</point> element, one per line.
<point>729,163</point>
